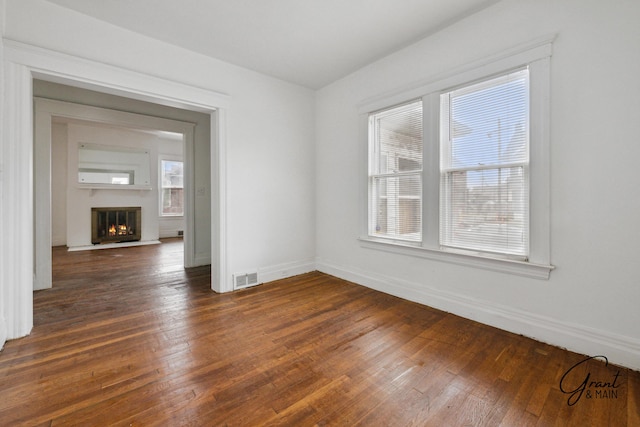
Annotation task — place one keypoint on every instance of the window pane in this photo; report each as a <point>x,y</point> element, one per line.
<point>395,184</point>
<point>398,206</point>
<point>172,174</point>
<point>397,137</point>
<point>172,201</point>
<point>489,122</point>
<point>484,166</point>
<point>172,187</point>
<point>483,215</point>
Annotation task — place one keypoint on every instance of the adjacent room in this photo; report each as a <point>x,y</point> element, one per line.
<point>141,169</point>
<point>319,213</point>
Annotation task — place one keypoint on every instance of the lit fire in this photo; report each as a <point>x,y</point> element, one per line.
<point>121,230</point>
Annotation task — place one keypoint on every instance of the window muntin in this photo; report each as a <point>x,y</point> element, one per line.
<point>484,166</point>
<point>171,188</point>
<point>395,173</point>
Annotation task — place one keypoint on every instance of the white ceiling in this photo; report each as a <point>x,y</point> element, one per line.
<point>307,42</point>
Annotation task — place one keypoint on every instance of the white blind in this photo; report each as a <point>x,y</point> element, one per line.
<point>484,166</point>
<point>395,173</point>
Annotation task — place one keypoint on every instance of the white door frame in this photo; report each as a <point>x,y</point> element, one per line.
<point>22,64</point>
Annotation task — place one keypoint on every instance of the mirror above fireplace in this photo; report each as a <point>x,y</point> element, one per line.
<point>118,167</point>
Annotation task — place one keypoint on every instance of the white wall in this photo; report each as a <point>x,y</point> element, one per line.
<point>59,143</point>
<point>4,291</point>
<point>590,302</point>
<point>71,206</point>
<point>269,132</point>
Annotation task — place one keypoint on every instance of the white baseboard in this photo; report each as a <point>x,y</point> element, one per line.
<point>3,332</point>
<point>620,350</point>
<point>169,233</point>
<point>282,271</point>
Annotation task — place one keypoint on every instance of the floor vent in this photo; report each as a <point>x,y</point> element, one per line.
<point>244,280</point>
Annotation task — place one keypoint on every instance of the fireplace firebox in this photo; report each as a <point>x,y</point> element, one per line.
<point>114,225</point>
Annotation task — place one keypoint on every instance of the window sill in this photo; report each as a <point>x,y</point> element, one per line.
<point>521,268</point>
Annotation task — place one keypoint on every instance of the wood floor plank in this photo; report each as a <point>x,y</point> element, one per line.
<point>129,337</point>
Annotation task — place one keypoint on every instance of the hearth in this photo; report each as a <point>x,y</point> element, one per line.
<point>113,225</point>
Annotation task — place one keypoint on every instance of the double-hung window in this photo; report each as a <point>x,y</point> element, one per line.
<point>484,166</point>
<point>459,171</point>
<point>171,188</point>
<point>395,173</point>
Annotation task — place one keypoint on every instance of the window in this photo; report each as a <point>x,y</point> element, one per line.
<point>484,166</point>
<point>171,188</point>
<point>395,173</point>
<point>484,163</point>
<point>459,170</point>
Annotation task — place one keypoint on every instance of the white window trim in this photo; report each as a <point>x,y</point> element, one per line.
<point>536,55</point>
<point>171,158</point>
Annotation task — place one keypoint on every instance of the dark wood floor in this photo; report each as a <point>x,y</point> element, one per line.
<point>128,337</point>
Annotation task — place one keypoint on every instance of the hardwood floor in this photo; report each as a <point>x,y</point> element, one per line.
<point>128,337</point>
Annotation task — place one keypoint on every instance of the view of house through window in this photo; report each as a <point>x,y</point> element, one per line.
<point>484,158</point>
<point>483,152</point>
<point>395,173</point>
<point>171,188</point>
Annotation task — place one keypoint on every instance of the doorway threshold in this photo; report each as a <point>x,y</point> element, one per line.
<point>113,245</point>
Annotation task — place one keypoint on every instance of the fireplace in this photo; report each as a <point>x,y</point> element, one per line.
<point>114,225</point>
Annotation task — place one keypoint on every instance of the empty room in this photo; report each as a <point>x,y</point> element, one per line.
<point>303,212</point>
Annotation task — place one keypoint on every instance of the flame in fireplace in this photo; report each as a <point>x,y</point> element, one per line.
<point>120,230</point>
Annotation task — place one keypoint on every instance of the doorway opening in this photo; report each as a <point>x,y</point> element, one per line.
<point>21,257</point>
<point>63,196</point>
